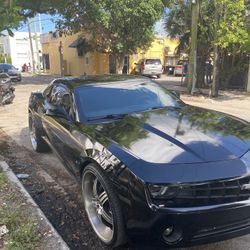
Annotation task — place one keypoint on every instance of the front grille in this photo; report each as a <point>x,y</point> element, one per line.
<point>209,193</point>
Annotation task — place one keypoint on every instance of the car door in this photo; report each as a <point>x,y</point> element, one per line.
<point>58,122</point>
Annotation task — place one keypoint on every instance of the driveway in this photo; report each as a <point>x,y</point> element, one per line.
<point>48,175</point>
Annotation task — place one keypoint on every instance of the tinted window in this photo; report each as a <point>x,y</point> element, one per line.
<point>153,61</point>
<point>121,98</point>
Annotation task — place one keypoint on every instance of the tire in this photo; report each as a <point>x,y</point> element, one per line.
<point>102,206</point>
<point>37,142</point>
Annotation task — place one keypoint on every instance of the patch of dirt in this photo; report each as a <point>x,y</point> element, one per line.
<point>64,208</point>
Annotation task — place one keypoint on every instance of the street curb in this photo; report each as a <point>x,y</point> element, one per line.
<point>58,242</point>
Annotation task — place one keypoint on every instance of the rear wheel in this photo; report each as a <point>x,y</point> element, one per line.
<point>102,206</point>
<point>38,144</point>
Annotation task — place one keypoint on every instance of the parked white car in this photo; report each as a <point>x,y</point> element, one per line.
<point>149,67</point>
<point>179,68</point>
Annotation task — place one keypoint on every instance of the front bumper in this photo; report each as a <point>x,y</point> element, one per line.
<point>151,72</point>
<point>194,225</point>
<point>16,77</point>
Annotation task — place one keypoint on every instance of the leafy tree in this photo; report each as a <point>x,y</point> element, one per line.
<point>119,27</point>
<point>229,31</point>
<point>30,8</point>
<point>223,27</point>
<point>178,25</point>
<point>3,57</point>
<point>9,16</point>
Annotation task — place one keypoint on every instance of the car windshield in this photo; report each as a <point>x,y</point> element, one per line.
<point>153,61</point>
<point>97,101</point>
<point>5,66</point>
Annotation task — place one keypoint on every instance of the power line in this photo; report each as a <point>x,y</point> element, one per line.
<point>25,25</point>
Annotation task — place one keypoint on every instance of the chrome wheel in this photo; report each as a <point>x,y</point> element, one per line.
<point>97,206</point>
<point>33,133</point>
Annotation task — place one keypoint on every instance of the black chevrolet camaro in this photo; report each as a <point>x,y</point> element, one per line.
<point>152,168</point>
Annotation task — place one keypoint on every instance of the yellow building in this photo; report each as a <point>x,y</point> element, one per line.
<point>76,62</point>
<point>163,48</point>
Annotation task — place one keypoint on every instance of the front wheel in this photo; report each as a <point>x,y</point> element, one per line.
<point>38,144</point>
<point>102,206</point>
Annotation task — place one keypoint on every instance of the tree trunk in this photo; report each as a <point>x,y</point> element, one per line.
<point>119,63</point>
<point>192,76</point>
<point>215,84</point>
<point>248,80</point>
<point>200,71</point>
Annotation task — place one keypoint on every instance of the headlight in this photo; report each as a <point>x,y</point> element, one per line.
<point>163,191</point>
<point>170,191</point>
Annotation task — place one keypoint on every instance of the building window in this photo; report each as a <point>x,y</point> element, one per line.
<point>46,62</point>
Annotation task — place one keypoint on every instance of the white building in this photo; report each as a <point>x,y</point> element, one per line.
<point>18,48</point>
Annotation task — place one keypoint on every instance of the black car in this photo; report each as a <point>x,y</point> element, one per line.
<point>151,168</point>
<point>13,72</point>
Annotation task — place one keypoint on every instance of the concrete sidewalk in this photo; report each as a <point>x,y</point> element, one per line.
<point>52,239</point>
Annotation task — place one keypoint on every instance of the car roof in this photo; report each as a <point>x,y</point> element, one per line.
<point>74,82</point>
<point>152,58</point>
<point>5,64</point>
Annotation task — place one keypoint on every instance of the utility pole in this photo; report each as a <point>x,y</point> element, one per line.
<point>41,31</point>
<point>216,64</point>
<point>248,79</point>
<point>61,58</point>
<point>4,52</point>
<point>38,63</point>
<point>31,47</point>
<point>40,24</point>
<point>192,67</point>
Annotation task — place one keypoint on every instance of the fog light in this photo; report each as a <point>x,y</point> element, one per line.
<point>168,231</point>
<point>172,235</point>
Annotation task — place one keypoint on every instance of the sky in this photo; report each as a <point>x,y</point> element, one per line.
<point>159,28</point>
<point>48,25</point>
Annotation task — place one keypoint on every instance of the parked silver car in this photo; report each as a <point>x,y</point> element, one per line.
<point>149,67</point>
<point>13,72</point>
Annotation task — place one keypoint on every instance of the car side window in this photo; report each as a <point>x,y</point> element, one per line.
<point>60,97</point>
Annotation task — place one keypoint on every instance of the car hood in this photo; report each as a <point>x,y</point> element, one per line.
<point>179,135</point>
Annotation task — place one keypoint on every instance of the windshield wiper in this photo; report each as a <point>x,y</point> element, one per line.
<point>160,107</point>
<point>109,116</point>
